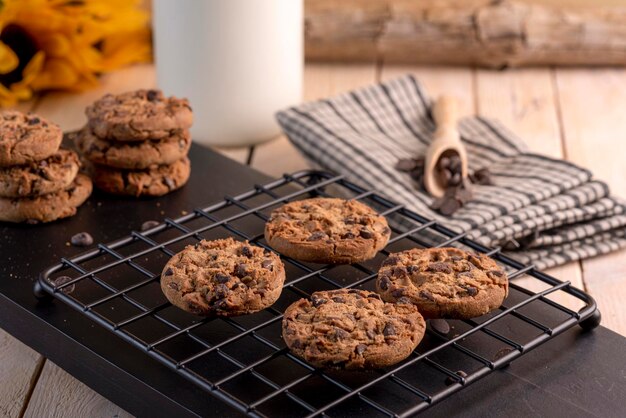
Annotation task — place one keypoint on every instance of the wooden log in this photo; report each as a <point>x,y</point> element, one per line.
<point>496,34</point>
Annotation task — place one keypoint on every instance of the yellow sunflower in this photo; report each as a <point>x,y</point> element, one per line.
<point>66,44</point>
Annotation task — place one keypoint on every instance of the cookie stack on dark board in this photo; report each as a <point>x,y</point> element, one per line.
<point>38,181</point>
<point>138,142</point>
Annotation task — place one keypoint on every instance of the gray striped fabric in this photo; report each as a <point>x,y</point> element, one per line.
<point>554,208</point>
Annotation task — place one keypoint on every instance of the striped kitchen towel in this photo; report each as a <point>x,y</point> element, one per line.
<point>553,210</point>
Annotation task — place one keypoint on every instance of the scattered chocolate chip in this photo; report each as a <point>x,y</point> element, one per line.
<point>405,164</point>
<point>221,278</point>
<point>168,272</point>
<point>384,283</point>
<point>337,299</point>
<point>318,301</point>
<point>365,233</point>
<point>360,349</point>
<point>449,206</point>
<point>148,225</point>
<point>169,183</point>
<point>440,326</point>
<point>439,267</point>
<point>61,280</point>
<point>451,380</point>
<point>82,239</point>
<point>389,330</point>
<point>173,286</point>
<point>455,179</point>
<point>481,176</point>
<point>316,236</point>
<point>267,264</point>
<point>34,121</point>
<point>152,95</point>
<point>240,270</point>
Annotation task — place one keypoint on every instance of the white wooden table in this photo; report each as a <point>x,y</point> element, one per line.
<point>576,114</point>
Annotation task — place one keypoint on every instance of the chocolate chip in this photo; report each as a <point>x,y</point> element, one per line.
<point>267,264</point>
<point>365,233</point>
<point>384,283</point>
<point>348,235</point>
<point>247,279</point>
<point>337,299</point>
<point>471,291</point>
<point>449,206</point>
<point>61,280</point>
<point>482,176</point>
<point>467,274</point>
<point>374,296</point>
<point>169,183</point>
<point>389,330</point>
<point>360,349</point>
<point>316,236</point>
<point>399,271</point>
<point>412,269</point>
<point>405,164</point>
<point>439,267</point>
<point>152,95</point>
<point>425,294</point>
<point>246,251</point>
<point>221,291</point>
<point>391,260</point>
<point>450,380</point>
<point>240,270</point>
<point>386,231</point>
<point>148,225</point>
<point>497,273</point>
<point>397,293</point>
<point>444,162</point>
<point>370,334</point>
<point>318,301</point>
<point>34,121</point>
<point>341,334</point>
<point>455,162</point>
<point>221,278</point>
<point>82,239</point>
<point>173,286</point>
<point>349,221</point>
<point>440,326</point>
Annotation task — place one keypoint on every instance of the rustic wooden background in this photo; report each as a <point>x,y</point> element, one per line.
<point>576,114</point>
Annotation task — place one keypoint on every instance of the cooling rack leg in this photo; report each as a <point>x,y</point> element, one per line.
<point>592,322</point>
<point>39,292</point>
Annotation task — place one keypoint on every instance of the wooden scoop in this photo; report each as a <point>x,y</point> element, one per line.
<point>446,143</point>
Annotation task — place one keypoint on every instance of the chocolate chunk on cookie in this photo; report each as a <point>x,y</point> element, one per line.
<point>135,155</point>
<point>154,181</point>
<point>443,282</point>
<point>223,277</point>
<point>48,207</point>
<point>351,329</point>
<point>138,115</point>
<point>26,138</point>
<point>50,175</point>
<point>327,230</point>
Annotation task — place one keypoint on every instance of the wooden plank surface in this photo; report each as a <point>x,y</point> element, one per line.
<point>60,395</point>
<point>592,103</point>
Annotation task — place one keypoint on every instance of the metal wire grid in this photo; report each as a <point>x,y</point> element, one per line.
<point>350,391</point>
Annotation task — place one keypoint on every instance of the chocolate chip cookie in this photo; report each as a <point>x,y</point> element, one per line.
<point>443,282</point>
<point>138,115</point>
<point>26,138</point>
<point>50,175</point>
<point>48,207</point>
<point>156,180</point>
<point>134,155</point>
<point>351,329</point>
<point>223,277</point>
<point>327,230</point>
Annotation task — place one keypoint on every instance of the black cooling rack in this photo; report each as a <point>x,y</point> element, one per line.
<point>244,362</point>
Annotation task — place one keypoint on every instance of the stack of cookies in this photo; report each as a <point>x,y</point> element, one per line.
<point>137,143</point>
<point>38,181</point>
